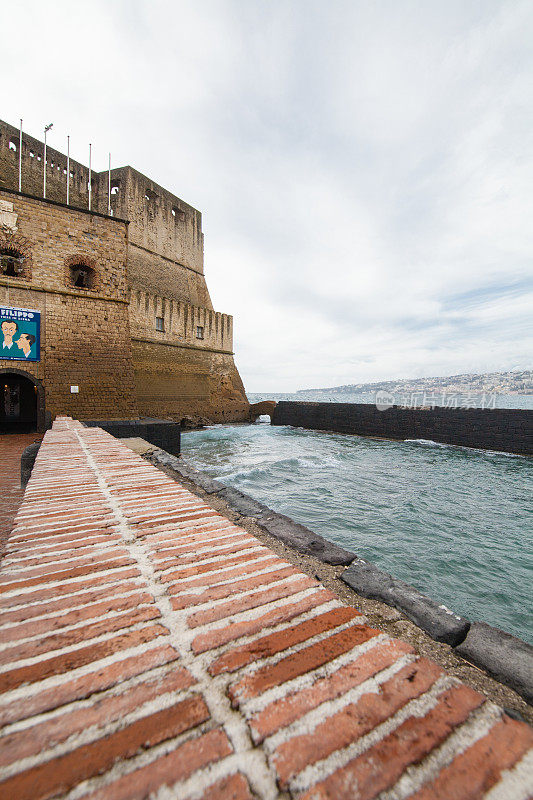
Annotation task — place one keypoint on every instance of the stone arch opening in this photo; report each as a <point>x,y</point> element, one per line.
<point>264,408</point>
<point>22,402</point>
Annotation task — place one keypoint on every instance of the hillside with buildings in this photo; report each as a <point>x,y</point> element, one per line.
<point>512,382</point>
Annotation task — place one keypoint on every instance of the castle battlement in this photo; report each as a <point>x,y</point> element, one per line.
<point>138,243</point>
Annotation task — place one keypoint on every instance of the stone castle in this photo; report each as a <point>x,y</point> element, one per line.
<point>127,327</point>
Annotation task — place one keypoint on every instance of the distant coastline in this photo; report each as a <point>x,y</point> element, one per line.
<point>513,389</point>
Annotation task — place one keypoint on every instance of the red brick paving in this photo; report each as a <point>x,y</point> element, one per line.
<point>233,676</point>
<point>11,448</point>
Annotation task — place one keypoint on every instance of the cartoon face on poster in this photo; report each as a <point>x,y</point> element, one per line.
<point>20,334</point>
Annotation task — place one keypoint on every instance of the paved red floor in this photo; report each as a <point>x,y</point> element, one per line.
<point>11,447</point>
<point>152,648</point>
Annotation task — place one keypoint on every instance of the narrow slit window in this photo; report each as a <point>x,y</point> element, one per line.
<point>159,324</point>
<point>199,331</point>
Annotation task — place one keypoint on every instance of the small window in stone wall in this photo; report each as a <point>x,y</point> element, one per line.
<point>11,263</point>
<point>115,187</point>
<point>178,214</point>
<point>159,324</point>
<point>199,332</point>
<point>81,276</point>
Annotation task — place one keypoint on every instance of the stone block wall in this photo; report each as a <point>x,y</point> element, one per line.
<point>85,338</point>
<point>507,430</point>
<point>176,381</point>
<point>177,373</point>
<point>156,260</point>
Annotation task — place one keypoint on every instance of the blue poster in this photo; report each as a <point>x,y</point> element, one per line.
<point>20,338</point>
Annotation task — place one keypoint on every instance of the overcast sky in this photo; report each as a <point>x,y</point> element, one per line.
<point>364,169</point>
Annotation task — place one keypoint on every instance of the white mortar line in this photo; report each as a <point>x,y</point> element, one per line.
<point>120,688</point>
<point>98,731</point>
<point>217,702</point>
<point>36,587</point>
<point>214,560</point>
<point>254,666</point>
<point>55,566</point>
<point>122,768</point>
<point>251,614</point>
<point>478,725</point>
<point>54,553</point>
<point>104,637</point>
<point>70,609</point>
<point>307,723</point>
<point>42,635</point>
<point>419,707</point>
<point>515,783</point>
<point>194,787</point>
<point>243,593</point>
<point>197,590</point>
<point>27,691</point>
<point>213,574</point>
<point>256,704</point>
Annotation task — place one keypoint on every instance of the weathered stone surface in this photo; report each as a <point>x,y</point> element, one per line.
<point>503,656</point>
<point>434,618</point>
<point>304,540</point>
<point>505,429</point>
<point>286,529</point>
<point>161,433</point>
<point>264,407</point>
<point>27,460</point>
<point>245,504</point>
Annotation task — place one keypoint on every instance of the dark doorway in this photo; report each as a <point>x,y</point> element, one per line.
<point>18,404</point>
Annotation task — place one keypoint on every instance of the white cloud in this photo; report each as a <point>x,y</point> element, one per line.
<point>364,169</point>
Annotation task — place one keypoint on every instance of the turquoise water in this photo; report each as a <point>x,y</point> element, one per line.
<point>454,522</point>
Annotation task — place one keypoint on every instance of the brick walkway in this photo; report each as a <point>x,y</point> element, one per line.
<point>154,649</point>
<point>11,447</point>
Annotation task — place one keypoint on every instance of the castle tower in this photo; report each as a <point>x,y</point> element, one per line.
<point>180,355</point>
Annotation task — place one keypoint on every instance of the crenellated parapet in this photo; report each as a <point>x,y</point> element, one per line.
<point>164,320</point>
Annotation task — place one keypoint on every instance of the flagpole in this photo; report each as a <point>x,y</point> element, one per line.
<point>68,167</point>
<point>20,158</point>
<point>90,150</point>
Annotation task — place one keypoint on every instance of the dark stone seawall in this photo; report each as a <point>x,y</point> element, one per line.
<point>506,429</point>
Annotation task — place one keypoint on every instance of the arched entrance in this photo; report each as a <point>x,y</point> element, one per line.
<point>21,402</point>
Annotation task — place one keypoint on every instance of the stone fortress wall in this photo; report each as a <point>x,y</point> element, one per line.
<point>85,338</point>
<point>180,349</point>
<point>503,429</point>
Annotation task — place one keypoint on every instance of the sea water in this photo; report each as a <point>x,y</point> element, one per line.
<point>452,521</point>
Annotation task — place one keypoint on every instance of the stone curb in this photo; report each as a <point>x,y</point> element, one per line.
<point>27,460</point>
<point>278,525</point>
<point>437,620</point>
<point>505,657</point>
<point>501,655</point>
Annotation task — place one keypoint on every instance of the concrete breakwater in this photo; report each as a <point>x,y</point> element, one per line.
<point>508,430</point>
